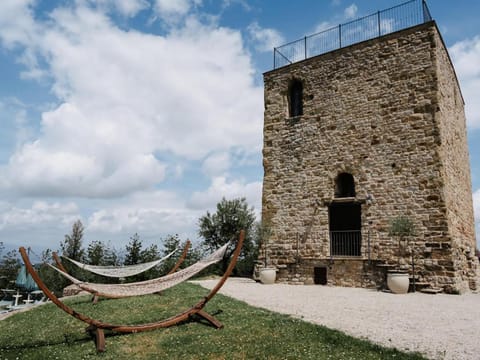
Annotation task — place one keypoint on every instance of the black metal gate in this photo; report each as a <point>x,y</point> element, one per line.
<point>345,229</point>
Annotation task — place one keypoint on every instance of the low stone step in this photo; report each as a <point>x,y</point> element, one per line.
<point>420,283</point>
<point>386,265</point>
<point>431,291</point>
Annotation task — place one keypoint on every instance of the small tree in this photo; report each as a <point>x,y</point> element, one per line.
<point>112,257</point>
<point>224,225</point>
<point>72,244</point>
<point>402,227</point>
<point>99,253</point>
<point>170,243</point>
<point>136,255</point>
<point>96,253</point>
<point>151,253</point>
<point>134,248</point>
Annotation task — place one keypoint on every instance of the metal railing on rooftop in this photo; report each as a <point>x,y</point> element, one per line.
<point>383,22</point>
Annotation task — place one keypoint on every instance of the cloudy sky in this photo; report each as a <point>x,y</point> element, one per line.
<point>139,115</point>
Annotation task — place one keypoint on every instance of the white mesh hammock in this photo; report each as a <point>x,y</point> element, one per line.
<point>120,271</point>
<point>148,286</point>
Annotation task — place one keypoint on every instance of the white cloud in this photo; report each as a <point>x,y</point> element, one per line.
<point>172,11</point>
<point>221,187</point>
<point>466,57</point>
<point>147,213</point>
<point>243,3</point>
<point>130,8</point>
<point>216,164</point>
<point>16,22</point>
<point>351,11</point>
<point>324,25</point>
<point>40,214</point>
<point>126,97</point>
<point>265,39</point>
<point>15,125</point>
<point>126,8</point>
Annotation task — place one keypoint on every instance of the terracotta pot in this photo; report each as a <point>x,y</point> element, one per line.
<point>268,275</point>
<point>398,283</point>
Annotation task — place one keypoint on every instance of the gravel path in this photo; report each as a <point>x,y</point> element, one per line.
<point>439,326</point>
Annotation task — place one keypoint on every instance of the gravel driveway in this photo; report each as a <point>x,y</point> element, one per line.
<point>439,326</point>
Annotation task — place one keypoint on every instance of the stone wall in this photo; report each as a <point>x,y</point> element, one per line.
<point>453,152</point>
<point>379,110</point>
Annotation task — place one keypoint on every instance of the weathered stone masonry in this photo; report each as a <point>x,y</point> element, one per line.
<point>388,111</point>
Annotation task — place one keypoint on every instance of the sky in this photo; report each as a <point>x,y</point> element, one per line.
<point>138,116</point>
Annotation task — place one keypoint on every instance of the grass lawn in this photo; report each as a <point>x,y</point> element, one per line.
<point>249,333</point>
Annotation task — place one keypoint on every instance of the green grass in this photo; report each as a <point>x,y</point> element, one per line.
<point>249,333</point>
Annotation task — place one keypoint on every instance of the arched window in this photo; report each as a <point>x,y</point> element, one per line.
<point>344,186</point>
<point>295,98</point>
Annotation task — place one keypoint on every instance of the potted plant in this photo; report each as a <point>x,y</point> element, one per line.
<point>403,228</point>
<point>266,274</point>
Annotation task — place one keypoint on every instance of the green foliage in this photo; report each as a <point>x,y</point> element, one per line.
<point>133,248</point>
<point>224,225</point>
<point>402,227</point>
<point>249,333</point>
<point>50,277</point>
<point>100,253</point>
<point>72,244</point>
<point>151,253</point>
<point>9,266</point>
<point>171,243</point>
<point>111,257</point>
<point>96,253</point>
<point>136,254</point>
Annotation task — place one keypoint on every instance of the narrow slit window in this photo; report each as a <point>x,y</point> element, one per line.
<point>296,98</point>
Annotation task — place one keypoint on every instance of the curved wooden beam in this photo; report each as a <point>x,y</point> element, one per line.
<point>96,327</point>
<point>58,262</point>
<point>181,259</point>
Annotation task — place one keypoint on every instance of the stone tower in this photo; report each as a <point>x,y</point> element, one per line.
<point>356,137</point>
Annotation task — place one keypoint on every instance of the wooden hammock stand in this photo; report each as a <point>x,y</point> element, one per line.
<point>95,298</point>
<point>96,327</point>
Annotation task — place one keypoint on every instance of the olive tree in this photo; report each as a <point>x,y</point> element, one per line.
<point>224,225</point>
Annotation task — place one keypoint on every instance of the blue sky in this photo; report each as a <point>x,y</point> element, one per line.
<point>139,115</point>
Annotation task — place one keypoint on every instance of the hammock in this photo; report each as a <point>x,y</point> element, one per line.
<point>148,286</point>
<point>96,327</point>
<point>120,271</point>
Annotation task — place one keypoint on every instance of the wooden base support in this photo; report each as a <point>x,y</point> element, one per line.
<point>98,336</point>
<point>210,319</point>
